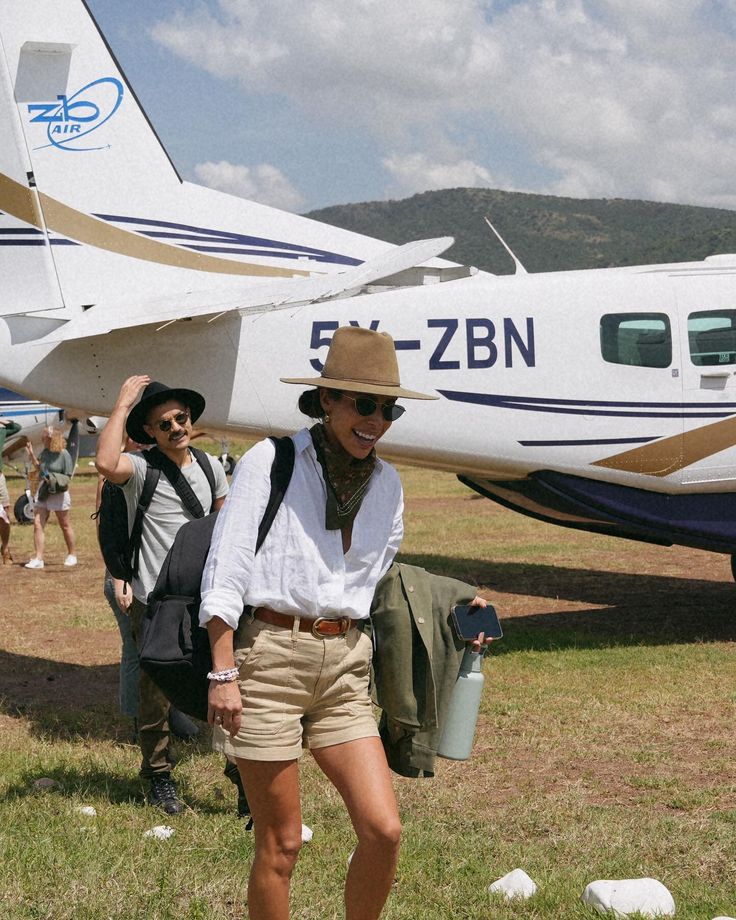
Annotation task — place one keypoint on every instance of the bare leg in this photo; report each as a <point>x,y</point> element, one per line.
<point>39,522</point>
<point>359,772</point>
<point>272,788</point>
<point>65,522</point>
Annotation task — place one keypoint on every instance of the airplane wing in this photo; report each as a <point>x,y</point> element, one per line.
<point>249,298</point>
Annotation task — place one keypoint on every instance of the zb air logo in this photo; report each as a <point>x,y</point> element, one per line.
<point>71,119</point>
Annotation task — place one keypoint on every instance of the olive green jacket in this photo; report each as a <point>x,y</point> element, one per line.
<point>415,663</point>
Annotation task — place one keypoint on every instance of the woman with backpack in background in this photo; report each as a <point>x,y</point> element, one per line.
<point>293,671</point>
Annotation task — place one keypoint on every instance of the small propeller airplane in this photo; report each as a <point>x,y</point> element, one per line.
<point>603,400</point>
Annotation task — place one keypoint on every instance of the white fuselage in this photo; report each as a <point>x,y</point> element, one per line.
<point>517,361</point>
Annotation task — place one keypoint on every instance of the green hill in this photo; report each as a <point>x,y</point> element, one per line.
<point>546,233</point>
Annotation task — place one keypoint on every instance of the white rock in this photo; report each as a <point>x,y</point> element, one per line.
<point>516,884</point>
<point>88,810</point>
<point>307,833</point>
<point>627,896</point>
<point>160,832</point>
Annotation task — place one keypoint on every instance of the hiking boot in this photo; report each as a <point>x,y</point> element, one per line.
<point>162,794</point>
<point>181,726</point>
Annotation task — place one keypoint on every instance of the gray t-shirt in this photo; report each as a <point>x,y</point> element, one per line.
<point>165,514</point>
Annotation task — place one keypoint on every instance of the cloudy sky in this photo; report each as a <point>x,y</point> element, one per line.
<point>307,103</point>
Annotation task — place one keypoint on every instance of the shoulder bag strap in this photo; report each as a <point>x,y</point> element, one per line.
<point>175,476</point>
<point>203,459</point>
<point>281,470</point>
<point>149,487</point>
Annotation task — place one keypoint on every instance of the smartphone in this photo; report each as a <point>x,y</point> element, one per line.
<point>470,622</point>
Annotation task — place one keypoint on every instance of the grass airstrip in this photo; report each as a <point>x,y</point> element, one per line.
<point>606,745</point>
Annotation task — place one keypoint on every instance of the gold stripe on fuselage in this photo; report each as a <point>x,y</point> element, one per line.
<point>23,203</point>
<point>669,455</point>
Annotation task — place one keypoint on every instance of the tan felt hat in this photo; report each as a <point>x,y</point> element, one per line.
<point>361,361</point>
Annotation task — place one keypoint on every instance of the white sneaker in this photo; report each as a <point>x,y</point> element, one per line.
<point>69,561</point>
<point>34,564</point>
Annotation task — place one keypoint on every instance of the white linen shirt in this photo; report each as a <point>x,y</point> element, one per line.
<point>300,568</point>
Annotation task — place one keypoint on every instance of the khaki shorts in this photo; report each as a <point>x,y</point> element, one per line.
<point>4,496</point>
<point>298,691</point>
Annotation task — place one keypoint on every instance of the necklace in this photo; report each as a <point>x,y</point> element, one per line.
<point>346,507</point>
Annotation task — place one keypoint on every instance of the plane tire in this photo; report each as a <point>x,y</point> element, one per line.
<point>22,510</point>
<point>228,463</point>
<point>733,566</point>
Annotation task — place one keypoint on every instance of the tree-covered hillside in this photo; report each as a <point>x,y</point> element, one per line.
<point>545,232</point>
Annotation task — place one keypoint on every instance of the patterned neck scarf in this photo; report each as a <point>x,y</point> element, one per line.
<point>346,479</point>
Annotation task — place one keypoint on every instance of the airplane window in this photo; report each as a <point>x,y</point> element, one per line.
<point>637,339</point>
<point>712,337</point>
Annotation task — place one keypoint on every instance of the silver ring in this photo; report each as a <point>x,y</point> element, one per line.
<point>218,720</point>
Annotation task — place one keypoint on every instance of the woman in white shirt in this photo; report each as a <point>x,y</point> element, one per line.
<point>293,671</point>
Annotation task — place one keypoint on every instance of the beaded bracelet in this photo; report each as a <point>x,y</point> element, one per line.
<point>224,677</point>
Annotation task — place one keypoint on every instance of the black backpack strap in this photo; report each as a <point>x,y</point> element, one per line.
<point>203,459</point>
<point>149,487</point>
<point>177,479</point>
<point>281,470</point>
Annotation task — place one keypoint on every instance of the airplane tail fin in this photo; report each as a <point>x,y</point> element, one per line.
<point>92,209</point>
<point>25,247</point>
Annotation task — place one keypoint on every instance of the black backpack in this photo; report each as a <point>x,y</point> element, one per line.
<point>174,650</point>
<point>120,548</point>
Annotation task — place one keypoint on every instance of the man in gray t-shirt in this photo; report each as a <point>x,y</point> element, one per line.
<point>165,514</point>
<point>163,417</point>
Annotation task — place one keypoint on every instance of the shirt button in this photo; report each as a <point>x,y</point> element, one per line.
<point>420,619</point>
<point>411,587</point>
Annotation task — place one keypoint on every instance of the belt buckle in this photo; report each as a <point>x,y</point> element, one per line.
<point>344,624</point>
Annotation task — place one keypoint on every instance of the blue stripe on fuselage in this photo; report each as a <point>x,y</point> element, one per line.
<point>600,407</point>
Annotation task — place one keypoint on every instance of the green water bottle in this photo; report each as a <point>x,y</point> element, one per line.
<point>456,742</point>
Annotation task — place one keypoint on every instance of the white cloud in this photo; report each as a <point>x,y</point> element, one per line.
<point>617,98</point>
<point>415,172</point>
<point>263,183</point>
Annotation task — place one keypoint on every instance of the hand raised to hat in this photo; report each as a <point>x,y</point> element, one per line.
<point>130,390</point>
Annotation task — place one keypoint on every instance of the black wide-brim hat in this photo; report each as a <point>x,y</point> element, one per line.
<point>153,395</point>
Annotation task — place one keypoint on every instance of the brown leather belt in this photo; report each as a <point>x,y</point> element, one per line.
<point>321,627</point>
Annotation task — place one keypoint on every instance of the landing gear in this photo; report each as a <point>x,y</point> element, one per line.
<point>228,462</point>
<point>23,510</point>
<point>733,566</point>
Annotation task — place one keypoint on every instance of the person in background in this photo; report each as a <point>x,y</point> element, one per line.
<point>54,465</point>
<point>163,417</point>
<point>119,596</point>
<point>7,429</point>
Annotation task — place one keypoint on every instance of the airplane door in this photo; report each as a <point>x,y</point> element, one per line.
<point>707,310</point>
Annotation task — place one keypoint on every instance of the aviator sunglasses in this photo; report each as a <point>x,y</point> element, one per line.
<point>181,418</point>
<point>366,405</point>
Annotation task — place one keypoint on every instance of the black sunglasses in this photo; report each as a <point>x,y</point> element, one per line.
<point>366,405</point>
<point>181,418</point>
